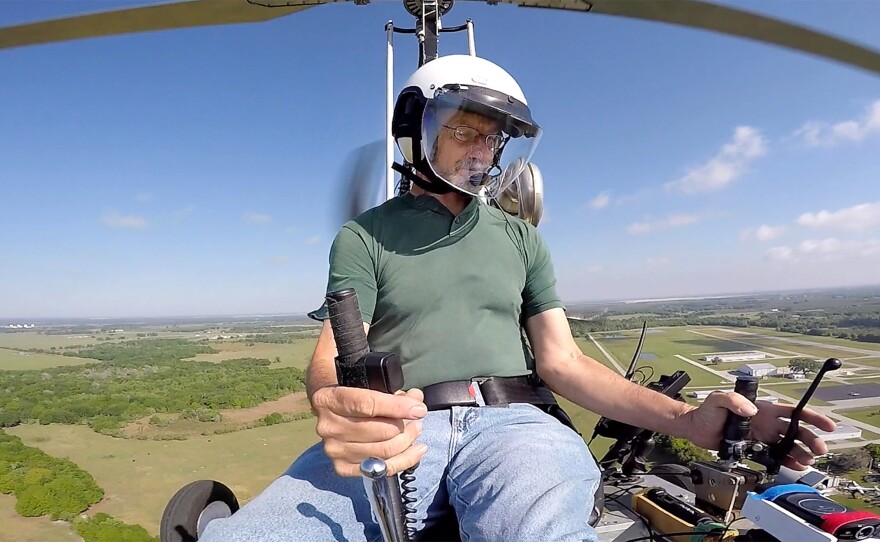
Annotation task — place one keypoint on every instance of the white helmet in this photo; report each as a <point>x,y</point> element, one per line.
<point>481,114</point>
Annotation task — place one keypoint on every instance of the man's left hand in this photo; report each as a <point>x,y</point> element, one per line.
<point>706,423</point>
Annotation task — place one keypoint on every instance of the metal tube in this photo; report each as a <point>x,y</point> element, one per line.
<point>472,49</point>
<point>384,494</point>
<point>389,111</point>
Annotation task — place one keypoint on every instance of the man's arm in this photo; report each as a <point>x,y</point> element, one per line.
<point>322,369</point>
<point>586,382</point>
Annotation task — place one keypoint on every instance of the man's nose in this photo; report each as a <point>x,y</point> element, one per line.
<point>479,148</point>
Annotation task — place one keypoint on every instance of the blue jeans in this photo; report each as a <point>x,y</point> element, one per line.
<point>511,473</point>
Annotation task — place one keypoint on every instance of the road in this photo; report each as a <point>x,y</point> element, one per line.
<point>608,356</point>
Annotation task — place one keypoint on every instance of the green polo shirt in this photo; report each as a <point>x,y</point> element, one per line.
<point>446,293</point>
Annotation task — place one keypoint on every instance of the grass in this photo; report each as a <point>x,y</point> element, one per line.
<point>17,360</point>
<point>19,529</point>
<point>139,477</point>
<point>856,503</point>
<point>295,354</point>
<point>864,415</point>
<point>665,346</point>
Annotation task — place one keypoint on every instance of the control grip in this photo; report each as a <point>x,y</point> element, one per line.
<point>736,427</point>
<point>351,341</point>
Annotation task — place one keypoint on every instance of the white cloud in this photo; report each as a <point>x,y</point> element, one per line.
<point>824,134</point>
<point>855,218</point>
<point>825,250</point>
<point>600,201</point>
<point>257,218</point>
<point>729,164</point>
<point>780,253</point>
<point>313,240</point>
<point>762,233</point>
<point>112,219</point>
<point>672,221</point>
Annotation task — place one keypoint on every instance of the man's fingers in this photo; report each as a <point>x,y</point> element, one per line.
<point>812,441</point>
<point>798,459</point>
<point>405,460</point>
<point>733,402</point>
<point>808,415</point>
<point>362,403</point>
<point>354,452</point>
<point>394,465</point>
<point>361,430</point>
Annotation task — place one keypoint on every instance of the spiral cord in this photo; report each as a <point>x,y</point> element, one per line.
<point>407,488</point>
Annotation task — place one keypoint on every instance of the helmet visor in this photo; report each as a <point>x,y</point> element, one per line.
<point>476,139</point>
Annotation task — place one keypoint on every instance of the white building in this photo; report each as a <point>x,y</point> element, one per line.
<point>759,370</point>
<point>725,357</point>
<point>843,432</point>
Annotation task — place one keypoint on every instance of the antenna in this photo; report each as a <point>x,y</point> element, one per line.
<point>632,364</point>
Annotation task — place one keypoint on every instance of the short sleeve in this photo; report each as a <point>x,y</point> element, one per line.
<point>539,293</point>
<point>351,266</point>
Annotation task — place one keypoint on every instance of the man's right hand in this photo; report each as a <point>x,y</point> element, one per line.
<point>357,423</point>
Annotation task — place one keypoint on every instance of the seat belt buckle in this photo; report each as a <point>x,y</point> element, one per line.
<point>474,391</point>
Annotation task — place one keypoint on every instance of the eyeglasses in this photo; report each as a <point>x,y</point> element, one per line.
<point>466,134</point>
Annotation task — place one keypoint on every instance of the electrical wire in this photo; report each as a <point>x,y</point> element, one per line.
<point>645,377</point>
<point>653,537</point>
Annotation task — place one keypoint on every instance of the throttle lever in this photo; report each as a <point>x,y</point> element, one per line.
<point>779,450</point>
<point>735,446</point>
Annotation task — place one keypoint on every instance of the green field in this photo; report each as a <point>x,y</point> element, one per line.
<point>819,340</point>
<point>294,354</point>
<point>864,415</point>
<point>18,529</point>
<point>140,476</point>
<point>17,360</point>
<point>664,344</point>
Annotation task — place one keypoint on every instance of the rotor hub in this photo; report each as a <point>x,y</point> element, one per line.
<point>418,7</point>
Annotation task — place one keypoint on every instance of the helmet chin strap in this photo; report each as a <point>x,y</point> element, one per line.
<point>432,184</point>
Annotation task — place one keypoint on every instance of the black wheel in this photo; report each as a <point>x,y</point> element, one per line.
<point>674,474</point>
<point>190,509</point>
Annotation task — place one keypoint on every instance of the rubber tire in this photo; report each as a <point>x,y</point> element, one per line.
<point>181,516</point>
<point>680,475</point>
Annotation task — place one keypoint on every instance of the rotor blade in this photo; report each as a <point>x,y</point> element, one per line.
<point>361,181</point>
<point>189,13</point>
<point>726,20</point>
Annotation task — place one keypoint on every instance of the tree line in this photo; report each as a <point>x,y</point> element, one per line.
<point>138,379</point>
<point>858,327</point>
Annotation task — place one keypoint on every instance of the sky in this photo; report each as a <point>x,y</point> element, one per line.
<point>200,171</point>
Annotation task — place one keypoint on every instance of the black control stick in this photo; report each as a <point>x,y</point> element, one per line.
<point>357,367</point>
<point>734,444</point>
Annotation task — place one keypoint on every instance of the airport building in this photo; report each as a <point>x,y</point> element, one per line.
<point>726,357</point>
<point>843,432</point>
<point>758,370</point>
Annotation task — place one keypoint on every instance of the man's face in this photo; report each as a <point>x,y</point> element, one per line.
<point>464,162</point>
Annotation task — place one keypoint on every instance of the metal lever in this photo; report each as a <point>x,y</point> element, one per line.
<point>779,450</point>
<point>734,446</point>
<point>385,501</point>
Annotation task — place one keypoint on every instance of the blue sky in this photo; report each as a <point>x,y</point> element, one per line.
<point>196,172</point>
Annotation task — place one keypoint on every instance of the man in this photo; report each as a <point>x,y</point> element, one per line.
<point>449,284</point>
